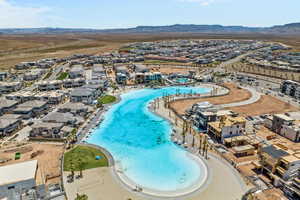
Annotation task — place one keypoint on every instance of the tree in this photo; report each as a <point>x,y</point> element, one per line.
<point>81,197</point>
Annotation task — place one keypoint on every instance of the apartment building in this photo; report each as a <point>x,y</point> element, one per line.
<point>227,127</point>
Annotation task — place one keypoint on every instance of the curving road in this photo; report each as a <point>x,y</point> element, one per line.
<point>255,96</point>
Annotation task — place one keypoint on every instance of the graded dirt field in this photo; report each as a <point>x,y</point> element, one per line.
<point>235,95</point>
<point>265,105</point>
<point>170,69</point>
<point>47,155</point>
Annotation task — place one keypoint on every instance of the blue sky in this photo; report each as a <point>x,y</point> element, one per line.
<point>130,13</point>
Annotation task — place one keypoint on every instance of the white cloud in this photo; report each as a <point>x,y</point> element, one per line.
<point>201,2</point>
<point>14,16</point>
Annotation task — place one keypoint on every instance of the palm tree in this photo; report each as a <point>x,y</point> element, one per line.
<point>200,144</point>
<point>80,166</point>
<point>72,168</point>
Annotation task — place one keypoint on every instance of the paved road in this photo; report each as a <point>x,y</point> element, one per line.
<point>255,96</point>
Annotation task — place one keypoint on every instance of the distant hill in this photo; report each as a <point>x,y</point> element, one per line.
<point>293,28</point>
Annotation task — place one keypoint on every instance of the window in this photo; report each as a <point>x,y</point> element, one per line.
<point>11,187</point>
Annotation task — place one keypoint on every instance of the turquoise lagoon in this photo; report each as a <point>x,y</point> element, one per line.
<point>139,141</point>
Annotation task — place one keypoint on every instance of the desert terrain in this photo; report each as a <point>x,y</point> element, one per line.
<point>18,48</point>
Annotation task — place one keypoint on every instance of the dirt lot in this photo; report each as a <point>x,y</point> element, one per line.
<point>171,69</point>
<point>48,159</point>
<point>266,105</point>
<point>235,95</point>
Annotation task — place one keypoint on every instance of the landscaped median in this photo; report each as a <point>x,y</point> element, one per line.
<point>84,157</point>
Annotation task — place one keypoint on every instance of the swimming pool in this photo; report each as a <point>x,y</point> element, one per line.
<point>182,80</point>
<point>140,142</point>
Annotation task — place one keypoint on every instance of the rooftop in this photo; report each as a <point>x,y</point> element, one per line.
<point>18,172</point>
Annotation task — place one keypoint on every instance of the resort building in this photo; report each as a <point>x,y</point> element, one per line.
<point>121,78</point>
<point>87,94</point>
<point>31,109</point>
<point>71,83</point>
<point>3,76</point>
<point>34,74</point>
<point>21,96</point>
<point>74,108</point>
<point>76,71</point>
<point>140,68</point>
<point>202,118</point>
<point>280,164</point>
<point>291,88</point>
<point>98,72</point>
<point>50,85</point>
<point>8,87</point>
<point>7,105</point>
<point>46,130</point>
<point>9,125</point>
<point>287,125</point>
<point>66,119</point>
<point>152,76</point>
<point>227,127</point>
<point>18,179</point>
<point>51,97</point>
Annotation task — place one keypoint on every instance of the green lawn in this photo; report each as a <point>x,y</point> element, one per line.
<point>62,76</point>
<point>107,99</point>
<point>84,156</point>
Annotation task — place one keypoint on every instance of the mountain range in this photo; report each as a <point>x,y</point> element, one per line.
<point>287,29</point>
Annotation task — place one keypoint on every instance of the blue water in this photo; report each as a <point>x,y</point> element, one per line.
<point>140,141</point>
<point>182,80</point>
